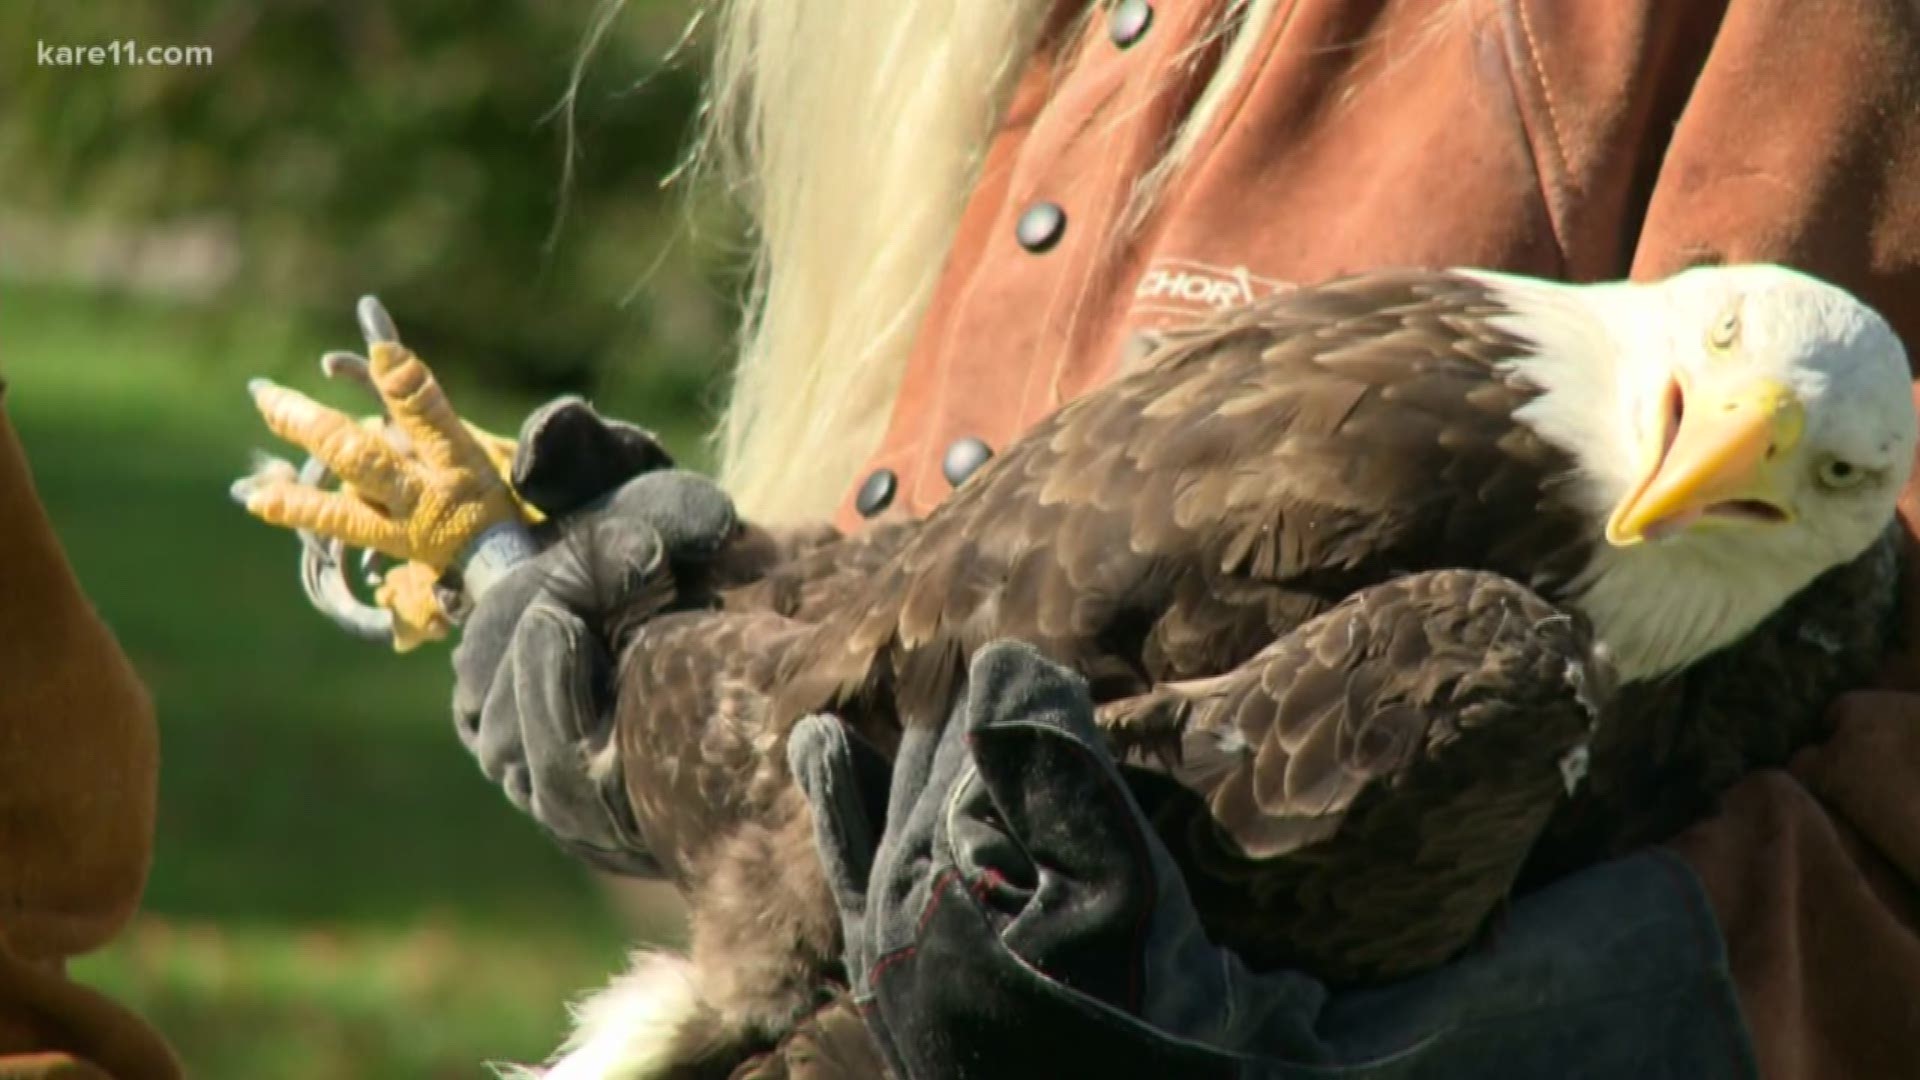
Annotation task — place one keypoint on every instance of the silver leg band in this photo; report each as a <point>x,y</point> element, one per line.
<point>493,554</point>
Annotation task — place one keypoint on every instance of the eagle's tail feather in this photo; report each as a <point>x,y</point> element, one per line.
<point>650,1021</point>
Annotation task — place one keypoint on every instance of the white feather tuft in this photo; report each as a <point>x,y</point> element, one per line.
<point>1573,767</point>
<point>628,1030</point>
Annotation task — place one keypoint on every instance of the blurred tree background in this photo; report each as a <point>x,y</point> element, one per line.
<point>336,891</point>
<point>423,151</point>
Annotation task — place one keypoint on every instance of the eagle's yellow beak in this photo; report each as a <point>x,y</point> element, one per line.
<point>1711,456</point>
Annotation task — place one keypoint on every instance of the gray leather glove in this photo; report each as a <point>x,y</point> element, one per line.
<point>534,674</point>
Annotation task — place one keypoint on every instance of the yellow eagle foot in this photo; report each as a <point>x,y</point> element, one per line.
<point>417,483</point>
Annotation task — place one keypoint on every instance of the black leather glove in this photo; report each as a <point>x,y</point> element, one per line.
<point>996,926</point>
<point>533,674</point>
<point>1019,918</point>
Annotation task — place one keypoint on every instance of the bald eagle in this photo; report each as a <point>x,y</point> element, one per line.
<point>1397,591</point>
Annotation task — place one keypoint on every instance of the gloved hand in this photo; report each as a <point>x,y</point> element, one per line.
<point>1018,910</point>
<point>533,674</point>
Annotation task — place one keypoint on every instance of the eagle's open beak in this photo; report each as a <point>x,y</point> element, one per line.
<point>1713,459</point>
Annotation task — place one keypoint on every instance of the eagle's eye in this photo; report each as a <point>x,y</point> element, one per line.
<point>1725,331</point>
<point>1839,474</point>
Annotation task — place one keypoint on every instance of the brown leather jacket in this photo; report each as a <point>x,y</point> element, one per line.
<point>77,779</point>
<point>1582,139</point>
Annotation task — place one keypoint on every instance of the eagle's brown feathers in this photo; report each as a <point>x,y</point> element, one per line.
<point>1259,470</point>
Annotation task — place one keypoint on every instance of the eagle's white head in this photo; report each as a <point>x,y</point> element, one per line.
<point>1739,431</point>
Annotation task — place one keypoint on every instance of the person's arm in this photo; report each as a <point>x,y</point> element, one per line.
<point>78,764</point>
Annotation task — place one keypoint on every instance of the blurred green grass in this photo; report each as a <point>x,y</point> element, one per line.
<point>336,892</point>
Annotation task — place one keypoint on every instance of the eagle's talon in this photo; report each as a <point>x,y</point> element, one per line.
<point>266,471</point>
<point>268,466</point>
<point>328,590</point>
<point>344,366</point>
<point>375,324</point>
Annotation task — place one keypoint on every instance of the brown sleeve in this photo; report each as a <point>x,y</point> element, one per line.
<point>77,783</point>
<point>1811,874</point>
<point>1799,143</point>
<point>52,1028</point>
<point>77,744</point>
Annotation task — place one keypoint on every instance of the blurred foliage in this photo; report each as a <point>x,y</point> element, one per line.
<point>415,150</point>
<point>336,892</point>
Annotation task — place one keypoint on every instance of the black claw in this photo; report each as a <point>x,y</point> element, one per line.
<point>375,324</point>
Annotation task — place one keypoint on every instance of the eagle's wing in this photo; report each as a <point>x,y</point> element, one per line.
<point>1257,470</point>
<point>1366,789</point>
